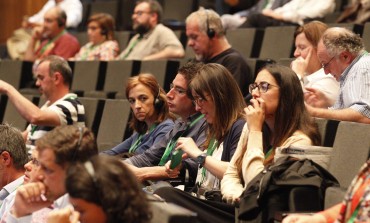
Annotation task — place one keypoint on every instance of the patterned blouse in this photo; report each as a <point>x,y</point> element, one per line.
<point>356,204</point>
<point>107,50</point>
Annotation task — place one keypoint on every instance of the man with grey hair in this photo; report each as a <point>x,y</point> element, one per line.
<point>13,157</point>
<point>207,38</point>
<point>54,77</point>
<point>153,40</point>
<point>342,53</point>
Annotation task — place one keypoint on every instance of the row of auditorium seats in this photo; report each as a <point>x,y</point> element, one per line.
<point>271,42</point>
<point>122,10</point>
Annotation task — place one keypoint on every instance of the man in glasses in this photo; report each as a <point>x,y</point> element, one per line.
<point>342,53</point>
<point>13,156</point>
<point>150,164</point>
<point>153,40</point>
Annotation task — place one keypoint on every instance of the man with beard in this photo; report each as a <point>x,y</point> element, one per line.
<point>153,40</point>
<point>52,37</point>
<point>54,77</point>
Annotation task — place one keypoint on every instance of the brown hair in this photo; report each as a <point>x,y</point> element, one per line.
<point>216,80</point>
<point>313,31</point>
<point>291,114</point>
<point>161,111</point>
<point>106,24</point>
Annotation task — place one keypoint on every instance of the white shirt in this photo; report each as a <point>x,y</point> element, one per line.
<point>296,11</point>
<point>73,9</point>
<point>326,83</point>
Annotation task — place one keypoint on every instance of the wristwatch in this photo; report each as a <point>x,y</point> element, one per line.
<point>201,159</point>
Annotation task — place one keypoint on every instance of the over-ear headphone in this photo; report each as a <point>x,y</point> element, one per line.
<point>158,102</point>
<point>210,32</point>
<point>61,19</point>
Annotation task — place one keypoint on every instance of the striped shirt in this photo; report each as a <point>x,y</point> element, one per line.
<point>69,110</point>
<point>355,86</point>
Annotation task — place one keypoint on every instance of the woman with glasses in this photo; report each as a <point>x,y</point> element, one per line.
<point>277,117</point>
<point>217,96</point>
<point>151,118</point>
<point>101,45</point>
<point>309,68</point>
<point>102,190</point>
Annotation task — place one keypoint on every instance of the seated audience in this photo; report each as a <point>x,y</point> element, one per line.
<point>342,54</point>
<point>354,208</point>
<point>150,164</point>
<point>57,150</point>
<point>236,20</point>
<point>18,42</point>
<point>101,45</point>
<point>151,119</point>
<point>294,12</point>
<point>206,37</point>
<point>307,65</point>
<point>211,89</point>
<point>52,38</point>
<point>54,77</point>
<point>102,190</point>
<point>357,12</point>
<point>153,40</point>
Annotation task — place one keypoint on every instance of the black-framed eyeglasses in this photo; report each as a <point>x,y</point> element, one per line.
<point>325,65</point>
<point>262,87</point>
<point>178,90</point>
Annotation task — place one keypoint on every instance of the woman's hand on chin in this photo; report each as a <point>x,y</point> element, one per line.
<point>255,114</point>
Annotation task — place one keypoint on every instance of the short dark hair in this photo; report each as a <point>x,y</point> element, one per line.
<point>69,143</point>
<point>11,140</point>
<point>58,64</point>
<point>189,70</point>
<point>105,22</point>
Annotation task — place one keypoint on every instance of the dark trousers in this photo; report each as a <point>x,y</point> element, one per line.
<point>208,211</point>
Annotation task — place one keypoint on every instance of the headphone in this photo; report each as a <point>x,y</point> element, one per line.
<point>62,17</point>
<point>158,102</point>
<point>210,32</point>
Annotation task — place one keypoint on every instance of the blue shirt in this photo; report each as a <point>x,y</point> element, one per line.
<point>147,140</point>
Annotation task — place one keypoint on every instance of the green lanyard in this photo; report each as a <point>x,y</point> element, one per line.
<point>268,154</point>
<point>138,140</point>
<point>171,145</point>
<point>51,41</point>
<point>213,144</point>
<point>132,47</point>
<point>354,214</point>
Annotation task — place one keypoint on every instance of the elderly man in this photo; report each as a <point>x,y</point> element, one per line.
<point>342,54</point>
<point>207,38</point>
<point>153,40</point>
<point>54,77</point>
<point>52,37</point>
